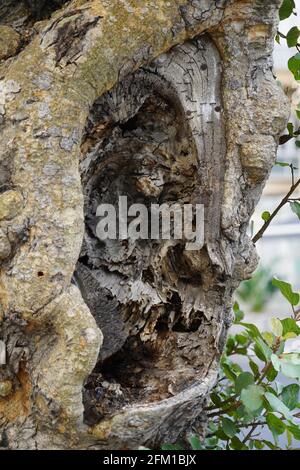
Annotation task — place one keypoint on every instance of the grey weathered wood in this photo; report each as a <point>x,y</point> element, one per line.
<point>162,125</point>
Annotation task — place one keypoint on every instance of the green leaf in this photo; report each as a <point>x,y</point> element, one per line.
<point>195,443</point>
<point>286,290</point>
<point>237,444</point>
<point>221,435</point>
<point>272,374</point>
<point>290,396</point>
<point>243,381</point>
<point>276,425</point>
<point>254,367</point>
<point>265,216</point>
<point>236,368</point>
<point>252,397</point>
<point>227,369</point>
<point>171,447</point>
<point>289,438</point>
<point>278,405</point>
<point>270,445</point>
<point>252,329</point>
<point>263,348</point>
<point>211,443</point>
<point>290,365</point>
<point>282,164</point>
<point>259,354</point>
<point>230,345</point>
<point>289,336</point>
<point>290,128</point>
<point>295,430</point>
<point>286,9</point>
<point>276,327</point>
<point>239,315</point>
<point>258,444</point>
<point>292,37</point>
<point>212,426</point>
<point>268,338</point>
<point>290,326</point>
<point>241,351</point>
<point>241,339</point>
<point>276,362</point>
<point>215,399</point>
<point>229,427</point>
<point>295,206</point>
<point>294,66</point>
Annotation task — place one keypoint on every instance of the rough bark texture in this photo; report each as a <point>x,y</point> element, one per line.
<point>117,345</point>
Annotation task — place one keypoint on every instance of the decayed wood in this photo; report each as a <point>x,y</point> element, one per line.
<point>154,139</point>
<point>98,99</point>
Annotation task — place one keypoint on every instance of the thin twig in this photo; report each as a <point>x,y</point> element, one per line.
<point>284,201</point>
<point>254,426</point>
<point>226,410</point>
<point>225,402</point>
<point>249,434</point>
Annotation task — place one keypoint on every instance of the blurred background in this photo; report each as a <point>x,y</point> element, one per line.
<point>279,250</point>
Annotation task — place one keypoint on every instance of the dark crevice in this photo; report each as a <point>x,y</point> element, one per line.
<point>43,9</point>
<point>136,289</point>
<point>117,381</point>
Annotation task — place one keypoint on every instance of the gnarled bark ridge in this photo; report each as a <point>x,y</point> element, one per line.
<point>117,343</point>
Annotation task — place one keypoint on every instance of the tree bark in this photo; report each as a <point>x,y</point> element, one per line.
<point>118,345</point>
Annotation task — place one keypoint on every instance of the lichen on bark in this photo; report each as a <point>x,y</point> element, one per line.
<point>93,78</point>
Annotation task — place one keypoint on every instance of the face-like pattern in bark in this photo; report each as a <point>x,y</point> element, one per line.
<point>151,139</point>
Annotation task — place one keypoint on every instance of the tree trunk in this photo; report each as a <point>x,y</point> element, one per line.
<point>117,344</point>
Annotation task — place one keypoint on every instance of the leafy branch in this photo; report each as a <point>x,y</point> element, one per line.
<point>291,37</point>
<point>287,199</point>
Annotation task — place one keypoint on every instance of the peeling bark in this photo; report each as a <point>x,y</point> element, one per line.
<point>117,344</point>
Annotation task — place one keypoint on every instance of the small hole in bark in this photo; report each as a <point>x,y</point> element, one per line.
<point>84,260</point>
<point>191,328</point>
<point>43,9</point>
<point>120,380</point>
<point>195,279</point>
<point>218,109</point>
<point>222,278</point>
<point>148,275</point>
<point>203,67</point>
<point>40,274</point>
<point>129,125</point>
